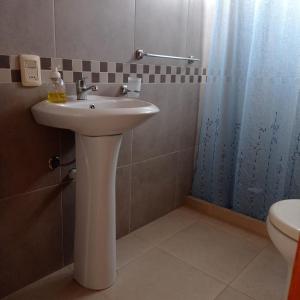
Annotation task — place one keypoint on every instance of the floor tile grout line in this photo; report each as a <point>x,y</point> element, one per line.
<point>244,238</point>
<point>165,238</point>
<point>158,246</point>
<point>243,293</point>
<point>228,232</point>
<point>226,286</point>
<point>244,269</point>
<point>151,246</point>
<point>196,221</point>
<point>143,252</point>
<point>229,286</point>
<point>191,265</point>
<point>214,227</point>
<point>210,275</point>
<point>168,236</point>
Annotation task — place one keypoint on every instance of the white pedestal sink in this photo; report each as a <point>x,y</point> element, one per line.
<point>99,123</point>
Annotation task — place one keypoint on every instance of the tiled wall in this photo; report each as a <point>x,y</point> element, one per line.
<point>156,159</point>
<point>103,72</point>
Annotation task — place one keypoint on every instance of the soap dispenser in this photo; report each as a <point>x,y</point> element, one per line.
<point>57,89</point>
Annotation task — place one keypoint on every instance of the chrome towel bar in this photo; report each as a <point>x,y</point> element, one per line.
<point>139,54</point>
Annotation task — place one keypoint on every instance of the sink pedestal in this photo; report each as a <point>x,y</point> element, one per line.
<point>99,123</point>
<point>95,225</point>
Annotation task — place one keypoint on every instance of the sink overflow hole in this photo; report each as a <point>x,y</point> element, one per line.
<point>92,106</point>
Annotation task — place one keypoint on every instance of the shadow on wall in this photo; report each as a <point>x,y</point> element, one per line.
<point>30,238</point>
<point>26,146</point>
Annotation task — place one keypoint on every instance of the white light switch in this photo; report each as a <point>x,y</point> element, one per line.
<point>30,66</point>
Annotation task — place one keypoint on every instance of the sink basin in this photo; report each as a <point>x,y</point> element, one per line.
<point>98,123</point>
<point>96,116</point>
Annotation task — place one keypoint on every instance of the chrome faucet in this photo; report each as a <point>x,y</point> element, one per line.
<point>82,89</point>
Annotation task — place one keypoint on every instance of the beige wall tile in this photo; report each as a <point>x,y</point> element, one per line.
<point>153,183</point>
<point>27,27</point>
<point>158,135</point>
<point>123,200</point>
<point>68,218</point>
<point>185,170</point>
<point>125,150</point>
<point>105,30</point>
<point>161,28</point>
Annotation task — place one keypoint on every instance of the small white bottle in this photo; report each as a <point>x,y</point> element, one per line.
<point>57,89</point>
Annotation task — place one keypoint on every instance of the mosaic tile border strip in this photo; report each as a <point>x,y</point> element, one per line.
<point>103,71</point>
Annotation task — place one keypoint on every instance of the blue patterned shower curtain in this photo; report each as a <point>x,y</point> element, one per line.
<point>249,149</point>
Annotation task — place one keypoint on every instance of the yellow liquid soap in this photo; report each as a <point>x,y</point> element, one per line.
<point>57,97</point>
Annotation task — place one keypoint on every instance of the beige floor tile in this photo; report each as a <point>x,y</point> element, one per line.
<point>261,242</point>
<point>265,277</point>
<point>231,294</point>
<point>57,286</point>
<point>157,275</point>
<point>60,284</point>
<point>129,247</point>
<point>178,257</point>
<point>215,252</point>
<point>168,225</point>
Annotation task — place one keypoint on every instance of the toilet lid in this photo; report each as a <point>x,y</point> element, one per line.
<point>285,216</point>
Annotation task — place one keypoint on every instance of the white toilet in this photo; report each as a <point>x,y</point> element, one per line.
<point>283,225</point>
